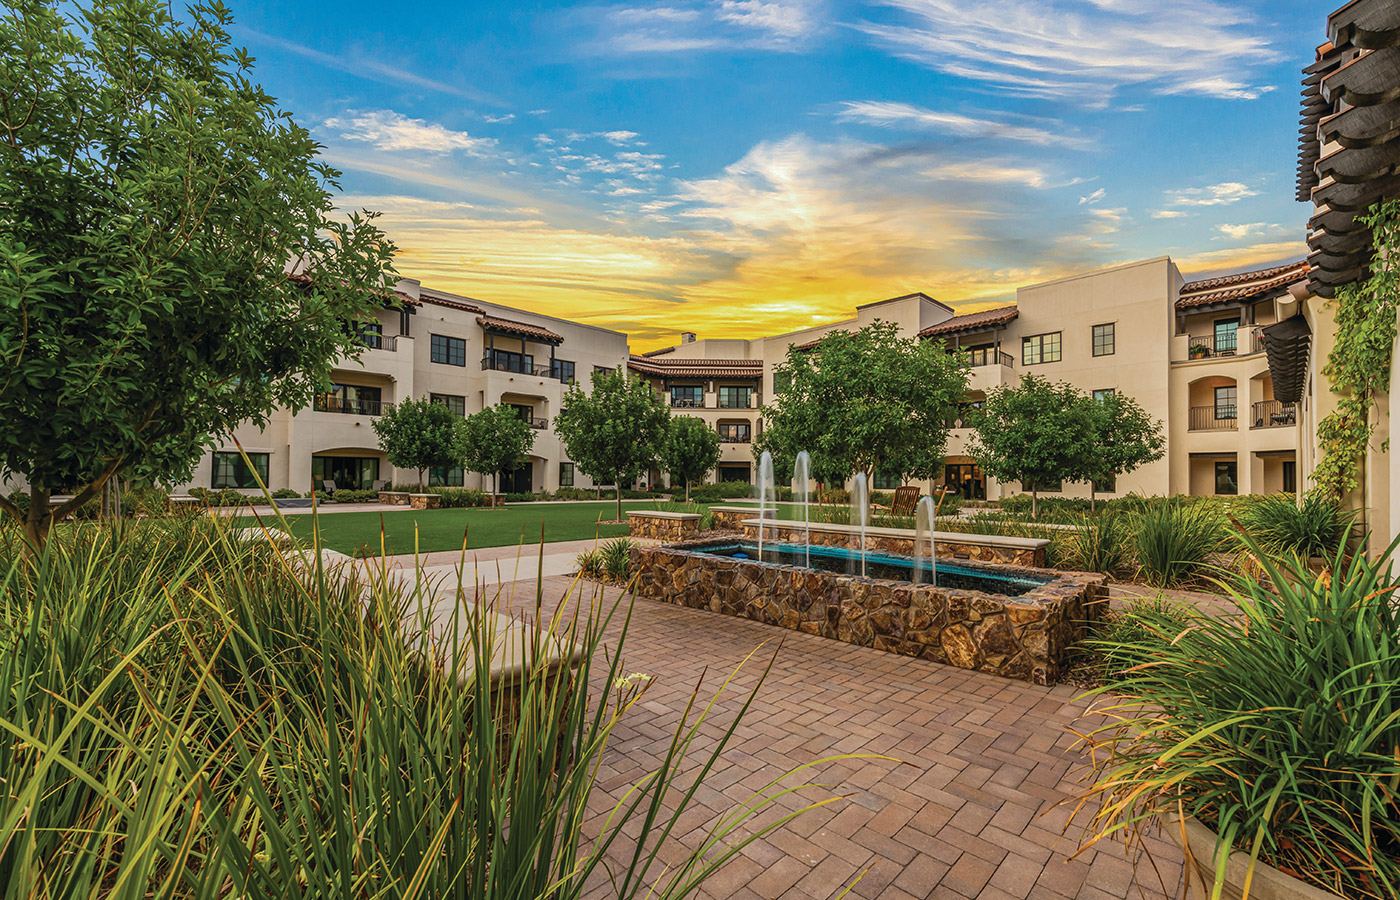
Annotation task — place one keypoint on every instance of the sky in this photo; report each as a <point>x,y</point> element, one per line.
<point>741,168</point>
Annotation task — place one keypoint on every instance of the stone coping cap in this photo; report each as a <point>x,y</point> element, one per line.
<point>987,540</point>
<point>662,514</point>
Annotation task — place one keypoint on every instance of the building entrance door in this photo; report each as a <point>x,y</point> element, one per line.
<point>966,479</point>
<point>520,481</point>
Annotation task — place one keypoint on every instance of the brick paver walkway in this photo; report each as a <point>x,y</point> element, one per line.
<point>969,810</point>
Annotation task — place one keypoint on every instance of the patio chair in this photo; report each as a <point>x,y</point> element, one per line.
<point>328,485</point>
<point>906,500</point>
<point>379,485</point>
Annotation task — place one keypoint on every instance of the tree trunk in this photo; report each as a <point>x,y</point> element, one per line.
<point>619,499</point>
<point>420,481</point>
<point>687,490</point>
<point>1035,499</point>
<point>495,489</point>
<point>1091,496</point>
<point>37,521</point>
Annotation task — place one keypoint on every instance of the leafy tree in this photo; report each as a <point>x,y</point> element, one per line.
<point>151,198</point>
<point>691,451</point>
<point>1126,437</point>
<point>420,434</point>
<point>616,432</point>
<point>493,440</point>
<point>1036,432</point>
<point>868,401</point>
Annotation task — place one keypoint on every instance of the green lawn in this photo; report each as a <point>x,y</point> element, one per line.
<point>442,529</point>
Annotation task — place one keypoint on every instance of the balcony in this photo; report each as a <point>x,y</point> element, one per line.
<point>375,341</point>
<point>333,404</point>
<point>537,423</point>
<point>1272,414</point>
<point>1214,418</point>
<point>754,403</point>
<point>688,403</point>
<point>735,436</point>
<point>516,366</point>
<point>1212,346</point>
<point>983,357</point>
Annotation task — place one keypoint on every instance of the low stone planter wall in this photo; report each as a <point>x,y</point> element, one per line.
<point>1024,637</point>
<point>731,518</point>
<point>425,501</point>
<point>663,526</point>
<point>1266,882</point>
<point>394,498</point>
<point>991,548</point>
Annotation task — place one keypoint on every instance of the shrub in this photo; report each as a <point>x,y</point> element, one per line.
<point>344,495</point>
<point>321,496</point>
<point>1097,544</point>
<point>1173,541</point>
<point>590,564</point>
<point>572,493</point>
<point>1136,635</point>
<point>1277,728</point>
<point>460,498</point>
<point>617,558</point>
<point>285,494</point>
<point>520,498</point>
<point>1314,526</point>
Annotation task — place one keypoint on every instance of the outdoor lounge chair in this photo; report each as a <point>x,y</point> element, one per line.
<point>906,500</point>
<point>328,485</point>
<point>379,485</point>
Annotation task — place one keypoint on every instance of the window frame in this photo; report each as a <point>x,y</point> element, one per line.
<point>449,344</point>
<point>745,427</point>
<point>1234,476</point>
<point>238,469</point>
<point>1112,340</point>
<point>556,370</point>
<point>747,390</point>
<point>447,401</point>
<point>1231,325</point>
<point>1040,342</point>
<point>1233,406</point>
<point>1101,394</point>
<point>566,474</point>
<point>446,476</point>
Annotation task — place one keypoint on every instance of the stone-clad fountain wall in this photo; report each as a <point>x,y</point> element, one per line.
<point>1025,637</point>
<point>1028,552</point>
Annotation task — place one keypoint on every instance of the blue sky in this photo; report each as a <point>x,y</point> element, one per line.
<point>744,167</point>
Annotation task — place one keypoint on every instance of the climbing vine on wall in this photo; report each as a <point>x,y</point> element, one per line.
<point>1359,365</point>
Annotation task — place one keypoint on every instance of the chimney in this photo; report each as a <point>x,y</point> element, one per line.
<point>687,337</point>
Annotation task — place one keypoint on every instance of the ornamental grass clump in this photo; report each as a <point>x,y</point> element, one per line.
<point>185,714</point>
<point>1316,525</point>
<point>1096,544</point>
<point>1278,728</point>
<point>1174,541</point>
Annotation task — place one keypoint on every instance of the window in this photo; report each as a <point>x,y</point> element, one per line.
<point>353,399</point>
<point>1290,477</point>
<point>445,477</point>
<point>563,369</point>
<point>1103,393</point>
<point>452,401</point>
<point>981,356</point>
<point>1226,335</point>
<point>449,351</point>
<point>887,482</point>
<point>1225,407</point>
<point>1044,487</point>
<point>736,472</point>
<point>687,396</point>
<point>1103,340</point>
<point>1106,486</point>
<point>510,361</point>
<point>1226,481</point>
<point>735,432</point>
<point>1040,348</point>
<point>566,474</point>
<point>349,472</point>
<point>372,336</point>
<point>601,369</point>
<point>230,470</point>
<point>735,397</point>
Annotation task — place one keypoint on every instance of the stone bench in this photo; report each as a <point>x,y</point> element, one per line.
<point>663,526</point>
<point>425,501</point>
<point>394,498</point>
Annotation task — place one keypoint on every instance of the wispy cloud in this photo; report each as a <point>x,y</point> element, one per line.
<point>780,19</point>
<point>1169,214</point>
<point>781,25</point>
<point>1084,50</point>
<point>1095,197</point>
<point>1222,194</point>
<point>888,113</point>
<point>1251,229</point>
<point>1200,265</point>
<point>392,131</point>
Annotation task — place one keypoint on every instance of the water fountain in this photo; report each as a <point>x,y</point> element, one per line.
<point>766,495</point>
<point>801,477</point>
<point>860,511</point>
<point>925,516</point>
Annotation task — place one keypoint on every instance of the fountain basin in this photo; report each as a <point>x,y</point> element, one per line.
<point>993,548</point>
<point>1025,636</point>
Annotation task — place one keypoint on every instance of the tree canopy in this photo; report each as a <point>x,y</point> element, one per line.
<point>691,451</point>
<point>615,432</point>
<point>494,440</point>
<point>151,198</point>
<point>1036,432</point>
<point>1125,438</point>
<point>420,434</point>
<point>866,401</point>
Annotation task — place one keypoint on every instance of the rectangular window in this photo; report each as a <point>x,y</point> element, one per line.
<point>354,472</point>
<point>735,397</point>
<point>566,474</point>
<point>981,356</point>
<point>372,336</point>
<point>1101,393</point>
<point>1290,477</point>
<point>510,361</point>
<point>1046,487</point>
<point>440,477</point>
<point>598,369</point>
<point>352,399</point>
<point>1040,348</point>
<point>1225,407</point>
<point>453,402</point>
<point>735,432</point>
<point>887,482</point>
<point>1226,335</point>
<point>230,471</point>
<point>1103,340</point>
<point>563,369</point>
<point>1226,478</point>
<point>1106,486</point>
<point>449,351</point>
<point>687,396</point>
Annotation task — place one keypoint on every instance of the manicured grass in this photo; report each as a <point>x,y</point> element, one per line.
<point>443,529</point>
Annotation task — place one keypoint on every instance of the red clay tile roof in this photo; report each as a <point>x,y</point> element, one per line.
<point>659,352</point>
<point>406,300</point>
<point>1241,285</point>
<point>697,368</point>
<point>972,321</point>
<point>451,304</point>
<point>532,332</point>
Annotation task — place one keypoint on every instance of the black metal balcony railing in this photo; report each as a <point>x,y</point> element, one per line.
<point>516,366</point>
<point>333,404</point>
<point>1214,418</point>
<point>732,437</point>
<point>984,357</point>
<point>731,403</point>
<point>538,423</point>
<point>1272,414</point>
<point>376,341</point>
<point>1205,346</point>
<point>687,402</point>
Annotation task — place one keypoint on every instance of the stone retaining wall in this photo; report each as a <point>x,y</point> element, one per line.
<point>394,498</point>
<point>1024,637</point>
<point>946,546</point>
<point>663,526</point>
<point>425,501</point>
<point>731,518</point>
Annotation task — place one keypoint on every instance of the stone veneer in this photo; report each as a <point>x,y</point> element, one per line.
<point>1006,551</point>
<point>394,498</point>
<point>425,501</point>
<point>1024,637</point>
<point>732,518</point>
<point>663,526</point>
